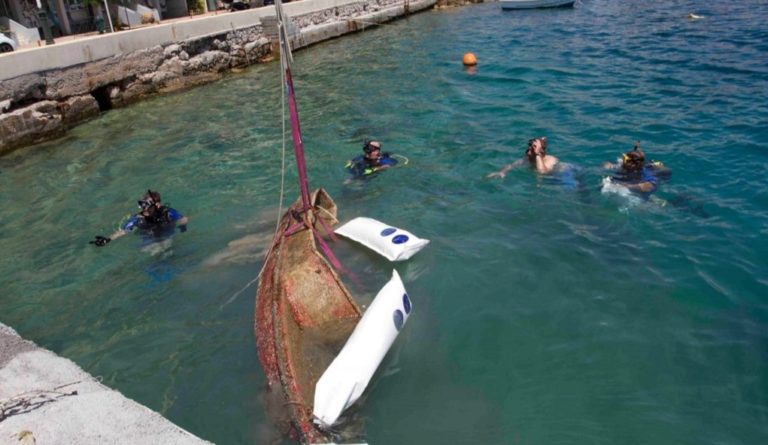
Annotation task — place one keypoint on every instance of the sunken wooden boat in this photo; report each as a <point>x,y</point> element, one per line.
<point>304,314</point>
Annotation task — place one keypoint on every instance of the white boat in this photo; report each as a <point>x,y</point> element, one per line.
<point>531,4</point>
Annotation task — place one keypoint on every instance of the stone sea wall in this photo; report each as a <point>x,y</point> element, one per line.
<point>41,106</point>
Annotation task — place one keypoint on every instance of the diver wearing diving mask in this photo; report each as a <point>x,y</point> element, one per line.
<point>153,217</point>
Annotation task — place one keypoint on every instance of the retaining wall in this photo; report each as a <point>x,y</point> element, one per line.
<point>45,91</point>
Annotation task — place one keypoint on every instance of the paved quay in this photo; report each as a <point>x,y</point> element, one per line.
<point>47,399</point>
<point>94,34</point>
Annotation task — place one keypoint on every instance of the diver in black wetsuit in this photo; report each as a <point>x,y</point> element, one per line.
<point>153,218</point>
<point>371,161</point>
<point>635,174</point>
<point>643,177</point>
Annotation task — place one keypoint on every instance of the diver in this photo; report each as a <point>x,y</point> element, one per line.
<point>153,219</point>
<point>635,174</point>
<point>371,161</point>
<point>535,155</point>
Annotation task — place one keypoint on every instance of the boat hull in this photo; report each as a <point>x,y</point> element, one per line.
<point>304,314</point>
<point>535,4</point>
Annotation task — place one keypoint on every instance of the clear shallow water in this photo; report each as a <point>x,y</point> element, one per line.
<point>542,314</point>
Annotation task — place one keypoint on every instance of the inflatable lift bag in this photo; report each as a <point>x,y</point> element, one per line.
<point>346,378</point>
<point>390,242</point>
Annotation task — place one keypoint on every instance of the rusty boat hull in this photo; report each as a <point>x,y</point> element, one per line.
<point>304,314</point>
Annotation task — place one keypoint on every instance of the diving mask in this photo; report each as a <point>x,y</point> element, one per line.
<point>144,204</point>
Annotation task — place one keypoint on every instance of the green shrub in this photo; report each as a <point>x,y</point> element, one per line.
<point>196,6</point>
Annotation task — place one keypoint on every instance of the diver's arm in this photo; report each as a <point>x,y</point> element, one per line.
<point>384,162</point>
<point>118,234</point>
<point>381,167</point>
<point>182,224</point>
<point>646,187</point>
<point>503,172</point>
<point>101,241</point>
<point>129,225</point>
<point>373,169</point>
<point>642,187</point>
<point>660,170</point>
<point>178,219</point>
<point>354,163</point>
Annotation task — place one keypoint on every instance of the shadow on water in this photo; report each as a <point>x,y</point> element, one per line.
<point>687,204</point>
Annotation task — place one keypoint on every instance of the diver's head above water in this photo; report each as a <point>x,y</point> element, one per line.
<point>149,203</point>
<point>536,147</point>
<point>370,146</point>
<point>372,149</point>
<point>633,160</point>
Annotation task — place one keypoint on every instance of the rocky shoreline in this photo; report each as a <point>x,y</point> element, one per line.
<point>43,106</point>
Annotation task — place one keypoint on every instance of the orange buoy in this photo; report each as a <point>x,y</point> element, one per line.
<point>469,59</point>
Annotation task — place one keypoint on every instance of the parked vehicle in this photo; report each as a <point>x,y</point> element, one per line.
<point>237,5</point>
<point>7,44</point>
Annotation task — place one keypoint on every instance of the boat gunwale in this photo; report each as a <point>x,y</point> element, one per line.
<point>278,328</point>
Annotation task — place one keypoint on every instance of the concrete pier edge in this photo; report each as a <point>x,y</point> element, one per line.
<point>47,399</point>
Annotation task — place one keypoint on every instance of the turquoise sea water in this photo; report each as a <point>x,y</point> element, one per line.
<point>543,314</point>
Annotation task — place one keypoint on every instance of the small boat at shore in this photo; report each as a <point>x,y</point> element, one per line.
<point>535,4</point>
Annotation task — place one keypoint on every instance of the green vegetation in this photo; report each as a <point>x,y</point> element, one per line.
<point>195,6</point>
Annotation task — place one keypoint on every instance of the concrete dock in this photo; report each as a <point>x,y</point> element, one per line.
<point>47,399</point>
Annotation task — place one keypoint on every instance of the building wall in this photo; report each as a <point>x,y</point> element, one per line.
<point>26,13</point>
<point>5,8</point>
<point>175,8</point>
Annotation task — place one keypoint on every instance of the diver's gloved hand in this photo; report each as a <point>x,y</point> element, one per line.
<point>100,241</point>
<point>183,228</point>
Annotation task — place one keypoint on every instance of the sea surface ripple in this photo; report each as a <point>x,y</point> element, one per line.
<point>545,312</point>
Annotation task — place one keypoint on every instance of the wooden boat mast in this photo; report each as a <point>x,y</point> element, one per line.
<point>298,146</point>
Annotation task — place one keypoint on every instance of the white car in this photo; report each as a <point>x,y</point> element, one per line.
<point>7,44</point>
